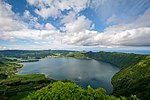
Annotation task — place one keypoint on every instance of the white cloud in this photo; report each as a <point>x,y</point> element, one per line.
<point>133,37</point>
<point>8,19</point>
<point>32,35</point>
<point>47,12</point>
<point>78,25</point>
<point>81,38</point>
<point>31,21</point>
<point>53,8</point>
<point>27,15</point>
<point>114,20</point>
<point>49,26</point>
<point>71,17</point>
<point>136,33</point>
<point>76,28</point>
<point>31,2</point>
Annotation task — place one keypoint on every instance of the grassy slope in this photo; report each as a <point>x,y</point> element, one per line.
<point>19,86</point>
<point>14,86</point>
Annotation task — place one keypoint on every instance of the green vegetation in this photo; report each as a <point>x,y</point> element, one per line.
<point>134,77</point>
<point>25,54</point>
<point>71,91</point>
<point>29,60</point>
<point>79,55</point>
<point>121,60</point>
<point>24,79</point>
<point>134,80</point>
<point>30,54</point>
<point>8,67</point>
<point>19,86</point>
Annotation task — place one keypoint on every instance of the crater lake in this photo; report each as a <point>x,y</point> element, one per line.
<point>83,72</point>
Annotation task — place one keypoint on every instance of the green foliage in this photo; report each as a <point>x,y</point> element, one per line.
<point>134,77</point>
<point>3,76</point>
<point>19,86</point>
<point>22,79</point>
<point>8,68</point>
<point>69,91</point>
<point>134,80</point>
<point>79,55</point>
<point>121,60</point>
<point>2,90</point>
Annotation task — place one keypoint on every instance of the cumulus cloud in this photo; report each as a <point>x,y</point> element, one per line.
<point>53,8</point>
<point>48,12</point>
<point>69,18</point>
<point>78,25</point>
<point>136,33</point>
<point>75,30</point>
<point>49,26</point>
<point>133,37</point>
<point>8,19</point>
<point>31,21</point>
<point>30,34</point>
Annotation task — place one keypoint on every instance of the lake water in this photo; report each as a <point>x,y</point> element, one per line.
<point>81,71</point>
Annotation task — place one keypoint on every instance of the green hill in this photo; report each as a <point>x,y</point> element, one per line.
<point>121,60</point>
<point>133,80</point>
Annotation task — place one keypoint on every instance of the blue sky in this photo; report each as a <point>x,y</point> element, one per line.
<point>75,24</point>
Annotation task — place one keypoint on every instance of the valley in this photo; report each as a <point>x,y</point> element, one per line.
<point>132,79</point>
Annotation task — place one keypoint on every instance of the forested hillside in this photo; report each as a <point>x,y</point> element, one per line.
<point>133,80</point>
<point>121,60</point>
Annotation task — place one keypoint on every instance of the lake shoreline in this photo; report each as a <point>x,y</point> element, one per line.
<point>89,61</point>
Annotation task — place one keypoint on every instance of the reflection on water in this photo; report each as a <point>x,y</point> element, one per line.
<point>81,71</point>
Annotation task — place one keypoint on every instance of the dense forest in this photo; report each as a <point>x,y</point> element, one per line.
<point>133,78</point>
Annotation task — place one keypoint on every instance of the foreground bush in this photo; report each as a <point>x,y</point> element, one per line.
<point>70,91</point>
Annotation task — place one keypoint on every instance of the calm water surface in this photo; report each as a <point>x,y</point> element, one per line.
<point>81,71</point>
